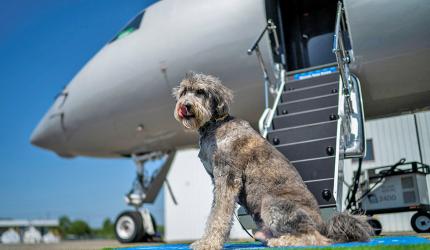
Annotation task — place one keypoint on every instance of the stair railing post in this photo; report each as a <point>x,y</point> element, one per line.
<point>267,82</point>
<point>353,118</point>
<point>271,113</point>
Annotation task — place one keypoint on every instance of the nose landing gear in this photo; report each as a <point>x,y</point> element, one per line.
<point>139,225</point>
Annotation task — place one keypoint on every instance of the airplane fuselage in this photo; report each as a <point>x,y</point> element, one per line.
<point>120,103</point>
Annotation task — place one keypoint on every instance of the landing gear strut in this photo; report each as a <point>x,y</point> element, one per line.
<point>139,225</point>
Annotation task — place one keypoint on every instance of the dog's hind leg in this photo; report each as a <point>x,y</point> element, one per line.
<point>263,233</point>
<point>290,224</point>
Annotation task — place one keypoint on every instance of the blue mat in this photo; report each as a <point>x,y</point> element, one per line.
<point>399,240</point>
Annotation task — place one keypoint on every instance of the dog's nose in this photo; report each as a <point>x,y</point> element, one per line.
<point>188,106</point>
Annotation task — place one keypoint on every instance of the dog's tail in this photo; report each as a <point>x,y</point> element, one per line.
<point>344,227</point>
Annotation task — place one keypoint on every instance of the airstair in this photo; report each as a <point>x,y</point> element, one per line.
<point>305,129</point>
<point>315,117</point>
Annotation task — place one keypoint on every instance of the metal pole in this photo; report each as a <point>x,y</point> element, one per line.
<point>418,138</point>
<point>267,82</point>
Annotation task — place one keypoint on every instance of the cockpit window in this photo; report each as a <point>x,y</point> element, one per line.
<point>130,28</point>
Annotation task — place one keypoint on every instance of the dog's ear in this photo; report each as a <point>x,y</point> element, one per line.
<point>175,92</point>
<point>223,97</point>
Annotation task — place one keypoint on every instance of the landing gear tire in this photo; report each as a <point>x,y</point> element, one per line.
<point>376,226</point>
<point>420,222</point>
<point>129,227</point>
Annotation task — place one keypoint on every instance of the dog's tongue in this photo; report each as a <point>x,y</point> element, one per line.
<point>182,112</point>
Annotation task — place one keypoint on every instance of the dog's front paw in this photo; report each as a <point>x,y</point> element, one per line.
<point>206,244</point>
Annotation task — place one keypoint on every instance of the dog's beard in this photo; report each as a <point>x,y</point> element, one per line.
<point>190,123</point>
<point>200,117</point>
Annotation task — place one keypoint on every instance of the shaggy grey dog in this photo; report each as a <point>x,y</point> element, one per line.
<point>248,170</point>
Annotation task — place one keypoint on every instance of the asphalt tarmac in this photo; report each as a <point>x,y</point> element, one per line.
<point>70,245</point>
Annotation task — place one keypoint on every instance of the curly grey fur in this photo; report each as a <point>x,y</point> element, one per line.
<point>246,169</point>
<point>345,227</point>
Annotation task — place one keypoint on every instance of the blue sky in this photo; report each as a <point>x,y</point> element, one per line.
<point>43,44</point>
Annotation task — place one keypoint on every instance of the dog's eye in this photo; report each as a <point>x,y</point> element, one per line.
<point>200,92</point>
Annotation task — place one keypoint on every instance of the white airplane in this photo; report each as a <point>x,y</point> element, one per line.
<point>120,103</point>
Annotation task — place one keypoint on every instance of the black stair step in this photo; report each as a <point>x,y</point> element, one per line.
<point>303,133</point>
<point>323,192</point>
<point>302,93</point>
<point>296,84</point>
<point>308,150</point>
<point>306,117</point>
<point>307,104</point>
<point>315,169</point>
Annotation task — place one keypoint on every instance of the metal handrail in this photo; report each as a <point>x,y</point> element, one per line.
<point>356,141</point>
<point>266,118</point>
<point>270,27</point>
<point>262,121</point>
<point>353,117</point>
<point>268,114</point>
<point>339,49</point>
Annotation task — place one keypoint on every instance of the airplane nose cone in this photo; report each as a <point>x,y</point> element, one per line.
<point>42,136</point>
<point>49,134</point>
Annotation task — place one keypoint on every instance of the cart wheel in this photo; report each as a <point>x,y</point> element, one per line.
<point>420,222</point>
<point>376,226</point>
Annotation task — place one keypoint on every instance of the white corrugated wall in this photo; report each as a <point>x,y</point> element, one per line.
<point>394,138</point>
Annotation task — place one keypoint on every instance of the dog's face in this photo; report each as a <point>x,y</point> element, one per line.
<point>200,98</point>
